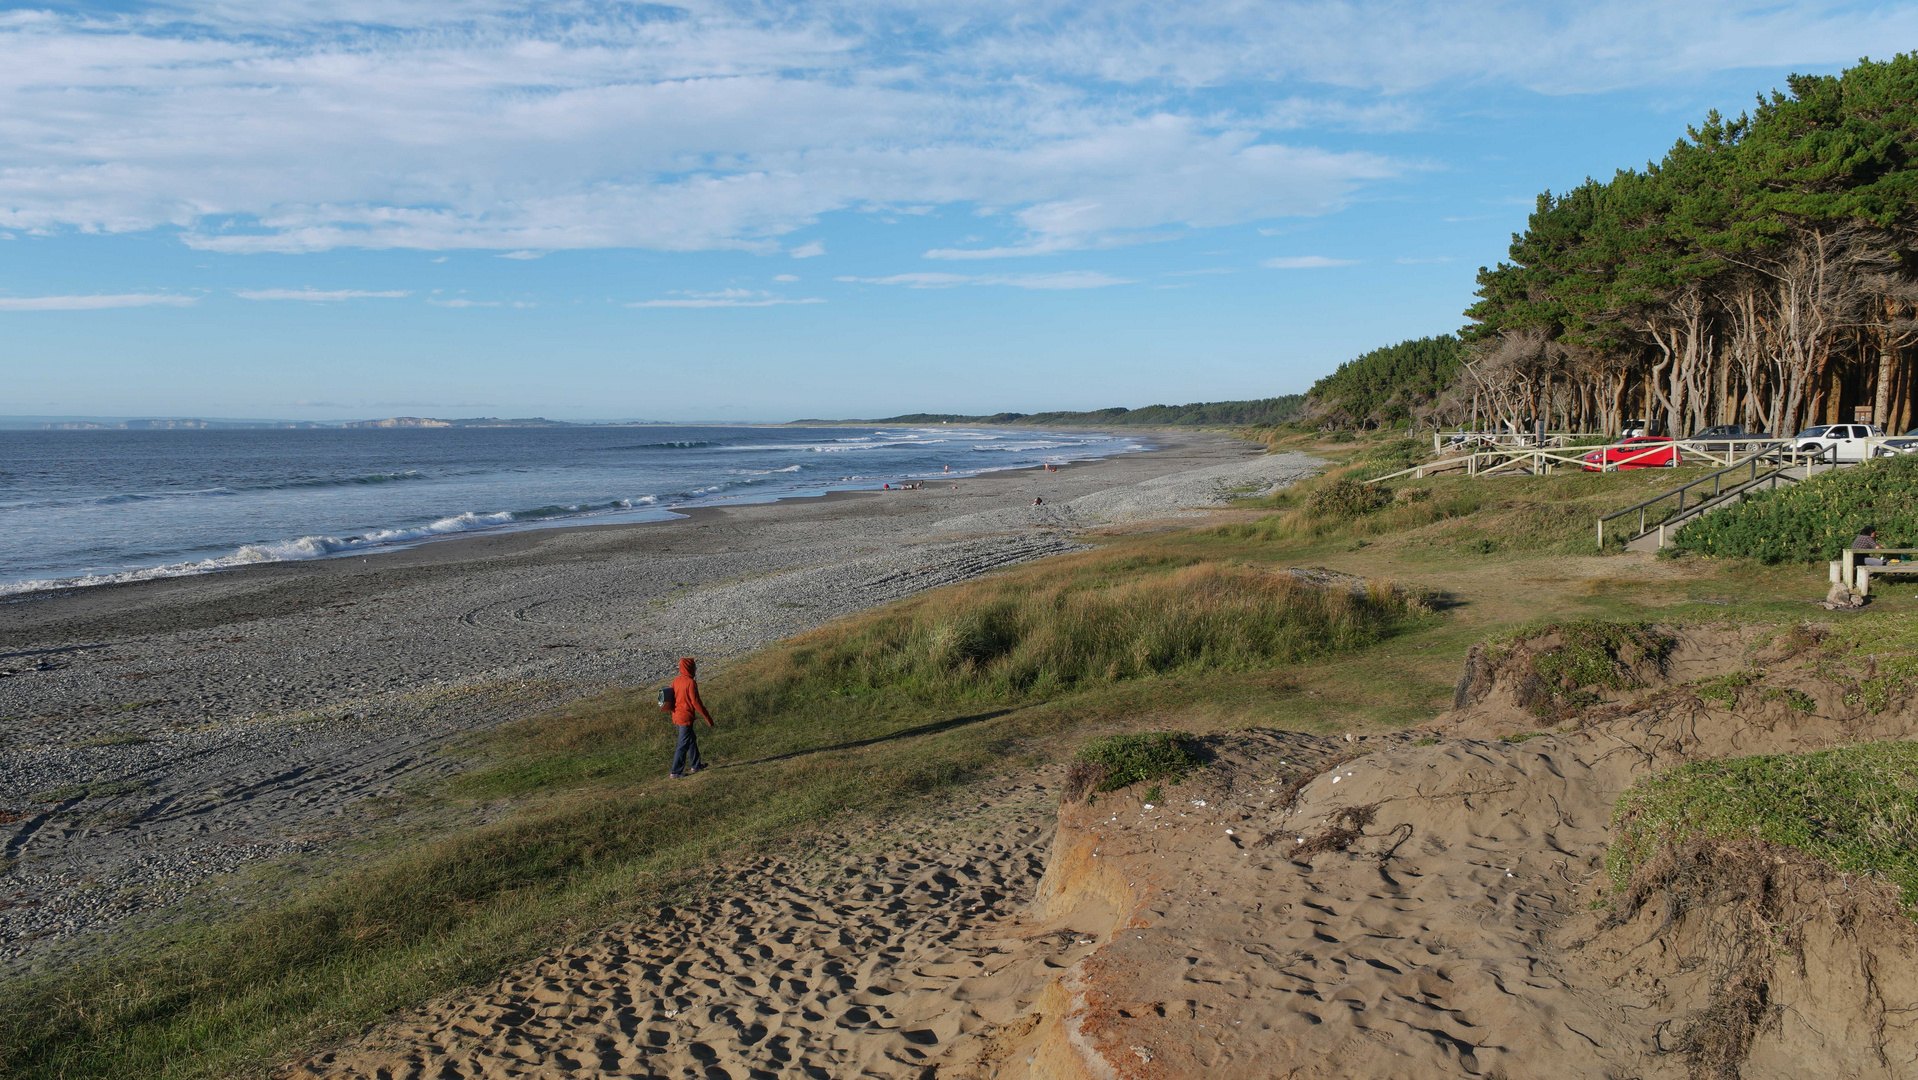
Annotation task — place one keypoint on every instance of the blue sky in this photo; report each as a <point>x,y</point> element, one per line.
<point>761,211</point>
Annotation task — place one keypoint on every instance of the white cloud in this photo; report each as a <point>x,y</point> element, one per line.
<point>683,298</point>
<point>1071,279</point>
<point>807,251</point>
<point>523,255</point>
<point>1305,262</point>
<point>785,277</point>
<point>291,126</point>
<point>462,302</point>
<point>92,303</point>
<point>320,295</point>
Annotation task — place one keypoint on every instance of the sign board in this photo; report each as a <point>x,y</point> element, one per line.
<point>1861,414</point>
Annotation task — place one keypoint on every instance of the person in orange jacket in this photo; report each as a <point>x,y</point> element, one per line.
<point>685,702</point>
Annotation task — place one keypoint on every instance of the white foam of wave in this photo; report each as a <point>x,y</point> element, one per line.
<point>294,550</point>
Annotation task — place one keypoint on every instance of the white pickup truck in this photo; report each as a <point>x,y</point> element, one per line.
<point>1843,442</point>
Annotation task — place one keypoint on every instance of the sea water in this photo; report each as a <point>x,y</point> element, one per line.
<point>93,507</point>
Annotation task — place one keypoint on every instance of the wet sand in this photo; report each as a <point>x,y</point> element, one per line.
<point>160,734</point>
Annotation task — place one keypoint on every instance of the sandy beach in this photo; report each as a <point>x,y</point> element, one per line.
<point>164,733</point>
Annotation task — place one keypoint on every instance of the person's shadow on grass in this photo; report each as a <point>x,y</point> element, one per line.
<point>933,728</point>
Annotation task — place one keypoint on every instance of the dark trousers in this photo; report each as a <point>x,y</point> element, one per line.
<point>686,751</point>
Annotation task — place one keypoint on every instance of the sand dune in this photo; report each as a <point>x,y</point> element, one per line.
<point>864,959</point>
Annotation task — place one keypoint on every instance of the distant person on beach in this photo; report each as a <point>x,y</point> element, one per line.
<point>685,701</point>
<point>1038,502</point>
<point>1867,540</point>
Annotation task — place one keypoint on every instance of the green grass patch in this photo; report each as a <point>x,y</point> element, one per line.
<point>1724,689</point>
<point>1855,808</point>
<point>1116,761</point>
<point>1797,700</point>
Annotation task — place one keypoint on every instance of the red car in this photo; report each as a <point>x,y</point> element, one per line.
<point>1643,452</point>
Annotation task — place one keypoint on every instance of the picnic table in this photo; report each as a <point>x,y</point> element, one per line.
<point>1853,572</point>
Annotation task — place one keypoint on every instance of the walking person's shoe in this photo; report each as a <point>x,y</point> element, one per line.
<point>672,776</point>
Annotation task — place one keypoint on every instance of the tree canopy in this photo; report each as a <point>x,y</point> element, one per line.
<point>1759,273</point>
<point>1388,384</point>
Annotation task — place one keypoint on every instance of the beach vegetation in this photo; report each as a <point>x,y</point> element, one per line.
<point>1855,808</point>
<point>1816,520</point>
<point>1111,762</point>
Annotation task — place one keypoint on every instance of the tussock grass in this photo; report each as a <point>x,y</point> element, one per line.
<point>1090,619</point>
<point>1854,808</point>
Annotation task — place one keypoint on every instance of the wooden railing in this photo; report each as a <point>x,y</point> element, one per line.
<point>1773,474</point>
<point>1722,452</point>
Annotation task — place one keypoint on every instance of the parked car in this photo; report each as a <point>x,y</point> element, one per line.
<point>1734,433</point>
<point>1841,442</point>
<point>1903,444</point>
<point>1643,452</point>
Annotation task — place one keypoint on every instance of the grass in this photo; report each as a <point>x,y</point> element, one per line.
<point>1855,808</point>
<point>1116,761</point>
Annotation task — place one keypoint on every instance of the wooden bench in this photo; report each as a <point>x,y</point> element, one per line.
<point>1854,573</point>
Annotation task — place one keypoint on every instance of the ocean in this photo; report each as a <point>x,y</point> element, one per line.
<point>84,508</point>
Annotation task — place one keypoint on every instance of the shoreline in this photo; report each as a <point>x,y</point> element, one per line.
<point>11,592</point>
<point>163,733</point>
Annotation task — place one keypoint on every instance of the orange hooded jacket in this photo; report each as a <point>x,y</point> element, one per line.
<point>686,696</point>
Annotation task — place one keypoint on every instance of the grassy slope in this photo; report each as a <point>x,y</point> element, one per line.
<point>863,718</point>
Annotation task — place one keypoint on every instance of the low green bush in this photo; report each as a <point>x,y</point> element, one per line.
<point>1116,761</point>
<point>1815,520</point>
<point>1855,808</point>
<point>1347,498</point>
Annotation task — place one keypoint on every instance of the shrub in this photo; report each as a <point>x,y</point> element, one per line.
<point>1117,761</point>
<point>1347,498</point>
<point>1594,653</point>
<point>1815,520</point>
<point>1855,808</point>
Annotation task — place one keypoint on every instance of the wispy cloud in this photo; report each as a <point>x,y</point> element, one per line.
<point>1305,262</point>
<point>1071,279</point>
<point>523,255</point>
<point>785,277</point>
<point>807,251</point>
<point>92,303</point>
<point>682,298</point>
<point>495,125</point>
<point>321,295</point>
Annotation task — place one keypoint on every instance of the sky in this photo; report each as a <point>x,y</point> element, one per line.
<point>757,211</point>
